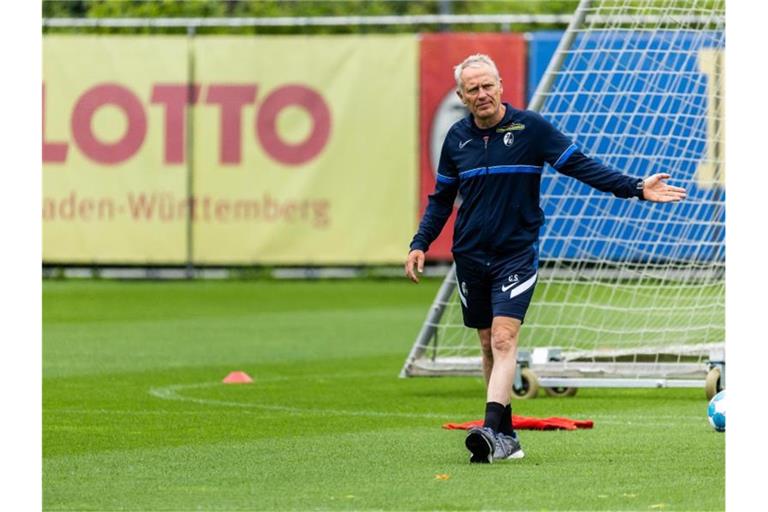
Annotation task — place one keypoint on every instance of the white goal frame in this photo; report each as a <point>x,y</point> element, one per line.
<point>556,369</point>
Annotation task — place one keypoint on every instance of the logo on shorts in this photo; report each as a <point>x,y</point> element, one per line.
<point>514,279</point>
<point>464,288</point>
<point>519,287</point>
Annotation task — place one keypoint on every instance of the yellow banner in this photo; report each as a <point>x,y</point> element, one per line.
<point>112,193</point>
<point>302,150</point>
<point>305,149</point>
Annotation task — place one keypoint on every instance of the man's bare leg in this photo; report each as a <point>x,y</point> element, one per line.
<point>496,440</point>
<point>504,333</point>
<point>487,353</point>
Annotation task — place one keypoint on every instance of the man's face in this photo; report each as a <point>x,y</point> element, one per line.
<point>481,91</point>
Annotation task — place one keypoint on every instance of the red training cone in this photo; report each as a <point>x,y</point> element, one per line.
<point>237,378</point>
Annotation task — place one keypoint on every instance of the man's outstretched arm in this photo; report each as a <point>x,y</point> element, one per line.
<point>564,156</point>
<point>603,178</point>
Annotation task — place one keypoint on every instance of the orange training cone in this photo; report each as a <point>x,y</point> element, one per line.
<point>237,378</point>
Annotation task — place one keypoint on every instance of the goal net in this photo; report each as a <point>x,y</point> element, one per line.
<point>627,289</point>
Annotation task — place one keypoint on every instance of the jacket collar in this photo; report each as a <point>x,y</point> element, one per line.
<point>506,119</point>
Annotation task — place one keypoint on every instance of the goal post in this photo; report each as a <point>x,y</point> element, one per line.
<point>629,293</point>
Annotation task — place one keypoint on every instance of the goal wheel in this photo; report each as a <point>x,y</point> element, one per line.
<point>560,391</point>
<point>530,386</point>
<point>712,383</point>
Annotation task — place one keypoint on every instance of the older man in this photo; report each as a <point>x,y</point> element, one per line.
<point>494,157</point>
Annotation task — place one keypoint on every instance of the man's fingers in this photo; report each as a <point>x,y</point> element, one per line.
<point>412,275</point>
<point>658,177</point>
<point>409,271</point>
<point>659,191</point>
<point>670,196</point>
<point>415,262</point>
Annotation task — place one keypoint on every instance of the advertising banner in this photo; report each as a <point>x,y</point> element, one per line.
<point>440,107</point>
<point>229,150</point>
<point>305,149</point>
<point>113,185</point>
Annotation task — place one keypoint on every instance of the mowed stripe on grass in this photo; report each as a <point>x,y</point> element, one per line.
<point>135,417</point>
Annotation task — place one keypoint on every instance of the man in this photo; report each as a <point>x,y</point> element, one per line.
<point>495,157</point>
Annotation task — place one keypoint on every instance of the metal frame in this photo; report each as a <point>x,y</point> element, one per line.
<point>449,283</point>
<point>550,370</point>
<point>429,327</point>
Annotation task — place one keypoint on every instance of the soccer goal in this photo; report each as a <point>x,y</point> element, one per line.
<point>630,294</point>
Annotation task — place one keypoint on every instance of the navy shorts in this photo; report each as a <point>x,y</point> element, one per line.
<point>498,286</point>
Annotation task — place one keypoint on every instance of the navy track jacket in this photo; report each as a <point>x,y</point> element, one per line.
<point>498,173</point>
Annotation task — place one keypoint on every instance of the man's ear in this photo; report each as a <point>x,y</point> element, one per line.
<point>461,96</point>
<point>501,86</point>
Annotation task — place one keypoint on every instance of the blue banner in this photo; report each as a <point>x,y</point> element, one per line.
<point>642,103</point>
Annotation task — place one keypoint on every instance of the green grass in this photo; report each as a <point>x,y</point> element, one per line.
<point>135,416</point>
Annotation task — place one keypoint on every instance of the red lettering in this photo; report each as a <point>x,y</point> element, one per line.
<point>200,210</point>
<point>175,98</point>
<point>222,210</point>
<point>266,124</point>
<point>167,207</point>
<point>86,107</point>
<point>141,207</point>
<point>85,209</point>
<point>53,152</point>
<point>67,207</point>
<point>74,208</point>
<point>231,98</point>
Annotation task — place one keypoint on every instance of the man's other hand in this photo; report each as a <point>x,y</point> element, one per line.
<point>414,263</point>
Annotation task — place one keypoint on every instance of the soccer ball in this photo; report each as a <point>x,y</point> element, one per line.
<point>716,411</point>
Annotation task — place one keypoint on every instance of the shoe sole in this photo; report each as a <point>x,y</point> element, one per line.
<point>519,454</point>
<point>480,449</point>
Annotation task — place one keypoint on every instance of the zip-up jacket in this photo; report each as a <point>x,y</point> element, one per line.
<point>497,171</point>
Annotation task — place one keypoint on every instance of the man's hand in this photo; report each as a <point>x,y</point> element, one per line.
<point>415,259</point>
<point>656,190</point>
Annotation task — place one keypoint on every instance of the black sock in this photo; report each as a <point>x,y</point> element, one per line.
<point>505,427</point>
<point>494,412</point>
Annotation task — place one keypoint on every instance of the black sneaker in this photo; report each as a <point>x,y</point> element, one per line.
<point>507,447</point>
<point>481,442</point>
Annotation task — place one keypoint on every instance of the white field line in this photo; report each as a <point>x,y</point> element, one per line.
<point>173,392</point>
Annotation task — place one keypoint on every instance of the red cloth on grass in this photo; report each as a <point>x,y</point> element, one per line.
<point>529,423</point>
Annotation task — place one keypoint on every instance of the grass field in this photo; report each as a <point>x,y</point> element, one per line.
<point>135,416</point>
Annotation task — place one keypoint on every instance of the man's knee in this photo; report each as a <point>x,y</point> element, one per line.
<point>504,337</point>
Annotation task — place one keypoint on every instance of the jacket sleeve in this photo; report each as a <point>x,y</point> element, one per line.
<point>564,156</point>
<point>440,205</point>
<point>601,177</point>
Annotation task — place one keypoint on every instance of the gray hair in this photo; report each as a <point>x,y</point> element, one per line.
<point>474,61</point>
